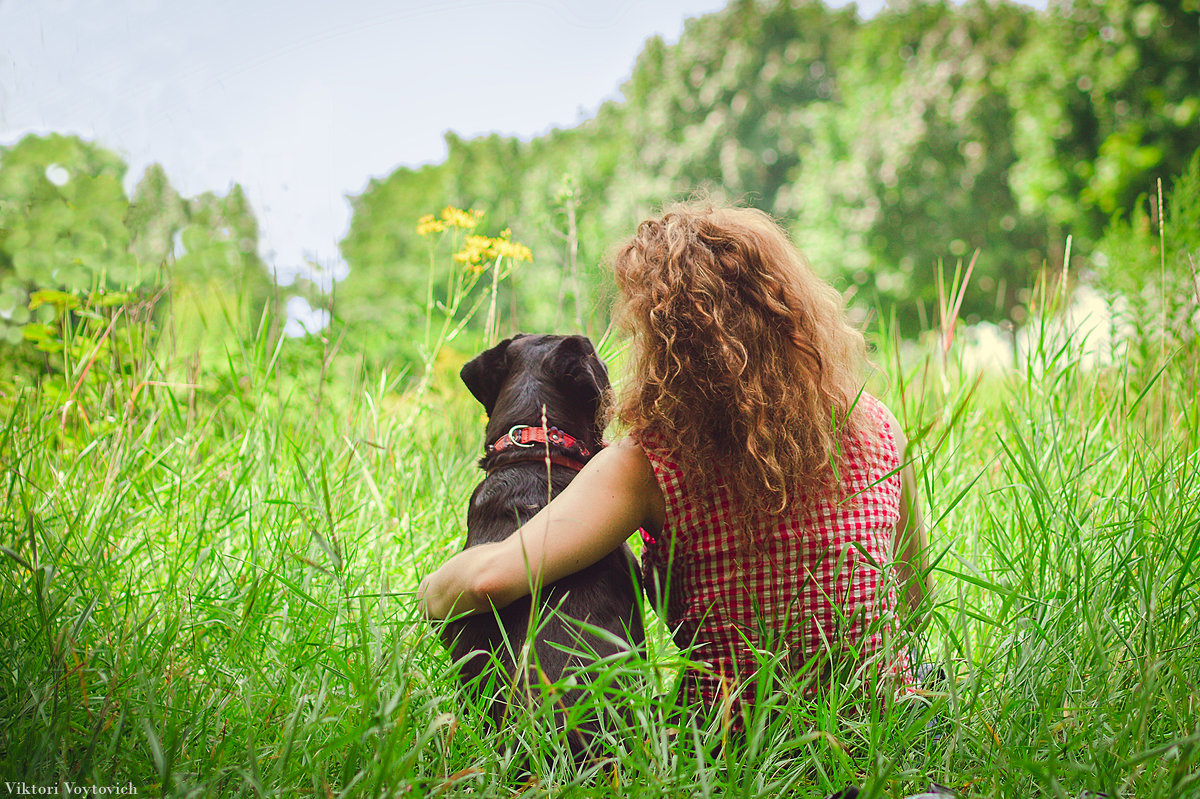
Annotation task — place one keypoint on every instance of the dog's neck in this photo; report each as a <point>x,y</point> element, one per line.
<point>552,459</point>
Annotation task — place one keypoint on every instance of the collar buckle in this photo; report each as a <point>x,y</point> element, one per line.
<point>514,437</point>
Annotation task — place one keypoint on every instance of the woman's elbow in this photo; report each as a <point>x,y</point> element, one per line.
<point>491,587</point>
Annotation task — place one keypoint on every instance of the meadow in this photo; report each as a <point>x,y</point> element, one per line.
<point>212,532</point>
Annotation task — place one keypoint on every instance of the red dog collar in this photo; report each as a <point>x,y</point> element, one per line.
<point>525,436</point>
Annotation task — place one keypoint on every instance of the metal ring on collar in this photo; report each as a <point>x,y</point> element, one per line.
<point>512,436</point>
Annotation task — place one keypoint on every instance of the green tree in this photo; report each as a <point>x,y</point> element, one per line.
<point>890,146</point>
<point>156,214</point>
<point>219,244</point>
<point>1108,94</point>
<point>908,165</point>
<point>68,230</point>
<point>62,223</point>
<point>719,109</point>
<point>382,300</point>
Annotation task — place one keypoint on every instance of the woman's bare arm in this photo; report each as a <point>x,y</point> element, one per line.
<point>614,495</point>
<point>910,538</point>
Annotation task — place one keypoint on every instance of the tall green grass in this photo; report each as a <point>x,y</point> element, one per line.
<point>208,559</point>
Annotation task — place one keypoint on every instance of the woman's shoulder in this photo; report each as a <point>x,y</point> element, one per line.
<point>654,450</point>
<point>653,445</point>
<point>638,454</point>
<point>880,421</point>
<point>641,478</point>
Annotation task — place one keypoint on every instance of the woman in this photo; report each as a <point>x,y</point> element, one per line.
<point>772,492</point>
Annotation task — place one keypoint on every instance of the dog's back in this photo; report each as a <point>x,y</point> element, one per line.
<point>526,382</point>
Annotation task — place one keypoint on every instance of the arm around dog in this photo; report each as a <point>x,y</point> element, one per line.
<point>614,495</point>
<point>910,540</point>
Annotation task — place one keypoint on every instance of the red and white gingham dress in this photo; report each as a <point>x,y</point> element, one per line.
<point>812,595</point>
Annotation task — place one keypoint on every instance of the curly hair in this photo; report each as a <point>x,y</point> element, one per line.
<point>743,364</point>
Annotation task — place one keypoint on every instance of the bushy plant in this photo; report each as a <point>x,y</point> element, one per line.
<point>1149,263</point>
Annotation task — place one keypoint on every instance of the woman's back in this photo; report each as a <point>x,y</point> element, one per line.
<point>812,586</point>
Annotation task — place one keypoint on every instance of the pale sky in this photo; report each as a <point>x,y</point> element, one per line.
<point>303,101</point>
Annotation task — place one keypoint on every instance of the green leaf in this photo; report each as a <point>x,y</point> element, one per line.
<point>62,300</point>
<point>36,331</point>
<point>111,298</point>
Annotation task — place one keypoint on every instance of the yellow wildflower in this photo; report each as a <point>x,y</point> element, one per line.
<point>511,249</point>
<point>456,217</point>
<point>514,250</point>
<point>448,218</point>
<point>478,250</point>
<point>427,224</point>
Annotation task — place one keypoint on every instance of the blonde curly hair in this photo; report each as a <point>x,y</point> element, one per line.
<point>743,364</point>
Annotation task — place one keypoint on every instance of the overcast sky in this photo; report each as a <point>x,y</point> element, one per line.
<point>303,101</point>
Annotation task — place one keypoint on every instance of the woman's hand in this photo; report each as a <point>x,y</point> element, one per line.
<point>614,495</point>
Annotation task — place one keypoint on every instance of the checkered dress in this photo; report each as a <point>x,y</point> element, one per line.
<point>812,598</point>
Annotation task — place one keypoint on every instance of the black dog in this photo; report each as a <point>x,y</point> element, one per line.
<point>515,381</point>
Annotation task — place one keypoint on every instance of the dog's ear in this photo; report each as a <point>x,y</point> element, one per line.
<point>579,369</point>
<point>485,373</point>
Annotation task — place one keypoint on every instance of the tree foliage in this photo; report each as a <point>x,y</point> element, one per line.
<point>908,166</point>
<point>62,221</point>
<point>894,148</point>
<point>72,242</point>
<point>1108,93</point>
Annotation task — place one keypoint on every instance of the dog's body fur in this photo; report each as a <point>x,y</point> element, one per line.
<point>514,381</point>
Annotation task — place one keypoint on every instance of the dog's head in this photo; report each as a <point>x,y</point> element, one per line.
<point>516,377</point>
